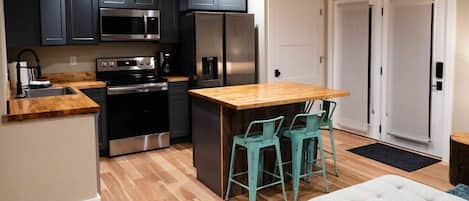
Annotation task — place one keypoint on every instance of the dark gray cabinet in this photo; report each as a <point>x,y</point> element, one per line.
<point>169,21</point>
<point>140,4</point>
<point>82,21</point>
<point>22,23</point>
<point>179,125</point>
<point>53,24</point>
<point>69,22</point>
<point>214,5</point>
<point>99,96</point>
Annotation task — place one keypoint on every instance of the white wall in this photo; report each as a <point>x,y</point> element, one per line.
<point>461,73</point>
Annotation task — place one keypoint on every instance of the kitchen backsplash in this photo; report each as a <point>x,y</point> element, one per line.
<point>59,59</point>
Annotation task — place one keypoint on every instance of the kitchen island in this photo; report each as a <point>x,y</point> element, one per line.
<point>220,113</point>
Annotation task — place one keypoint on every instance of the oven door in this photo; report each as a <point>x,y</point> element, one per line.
<point>137,118</point>
<point>129,24</point>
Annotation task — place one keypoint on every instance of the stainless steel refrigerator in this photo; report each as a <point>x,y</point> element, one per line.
<point>218,49</point>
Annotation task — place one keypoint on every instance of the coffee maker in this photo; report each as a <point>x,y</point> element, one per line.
<point>165,63</point>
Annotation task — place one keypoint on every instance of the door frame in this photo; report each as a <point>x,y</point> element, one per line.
<point>447,44</point>
<point>270,38</point>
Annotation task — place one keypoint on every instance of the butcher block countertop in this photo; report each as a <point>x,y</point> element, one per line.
<point>265,95</point>
<point>462,138</point>
<point>81,84</point>
<point>56,106</point>
<point>177,78</point>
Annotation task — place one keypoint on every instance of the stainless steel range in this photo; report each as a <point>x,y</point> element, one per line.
<point>137,101</point>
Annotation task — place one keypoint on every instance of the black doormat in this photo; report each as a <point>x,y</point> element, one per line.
<point>395,157</point>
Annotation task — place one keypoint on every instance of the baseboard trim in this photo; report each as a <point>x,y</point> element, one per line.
<point>97,198</point>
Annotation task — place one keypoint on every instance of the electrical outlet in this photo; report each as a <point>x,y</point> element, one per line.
<point>73,60</point>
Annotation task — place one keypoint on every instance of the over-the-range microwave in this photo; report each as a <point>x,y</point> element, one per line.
<point>129,24</point>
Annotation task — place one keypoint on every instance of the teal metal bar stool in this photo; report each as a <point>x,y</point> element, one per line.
<point>303,141</point>
<point>253,143</point>
<point>329,108</point>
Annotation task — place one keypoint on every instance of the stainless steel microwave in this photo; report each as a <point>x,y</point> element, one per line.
<point>129,24</point>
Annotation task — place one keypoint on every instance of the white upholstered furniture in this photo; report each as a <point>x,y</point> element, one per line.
<point>388,188</point>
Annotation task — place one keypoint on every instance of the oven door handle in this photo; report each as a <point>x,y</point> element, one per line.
<point>135,89</point>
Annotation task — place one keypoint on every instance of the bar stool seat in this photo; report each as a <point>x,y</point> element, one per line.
<point>240,140</point>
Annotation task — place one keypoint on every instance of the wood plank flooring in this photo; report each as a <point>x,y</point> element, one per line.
<point>168,175</point>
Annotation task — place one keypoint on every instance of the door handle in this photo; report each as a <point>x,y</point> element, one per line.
<point>277,73</point>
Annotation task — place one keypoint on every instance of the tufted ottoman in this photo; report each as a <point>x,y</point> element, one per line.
<point>388,188</point>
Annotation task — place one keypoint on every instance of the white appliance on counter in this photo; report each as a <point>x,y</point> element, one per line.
<point>26,74</point>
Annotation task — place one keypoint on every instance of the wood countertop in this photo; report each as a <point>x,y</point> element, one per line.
<point>265,95</point>
<point>55,106</point>
<point>81,84</point>
<point>462,138</point>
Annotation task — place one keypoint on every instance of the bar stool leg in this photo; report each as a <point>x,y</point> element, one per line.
<point>230,174</point>
<point>311,159</point>
<point>331,135</point>
<point>280,167</point>
<point>253,170</point>
<point>323,164</point>
<point>297,156</point>
<point>260,174</point>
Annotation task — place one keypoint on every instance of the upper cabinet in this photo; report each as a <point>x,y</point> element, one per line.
<point>140,4</point>
<point>22,23</point>
<point>214,5</point>
<point>82,21</point>
<point>53,24</point>
<point>69,22</point>
<point>169,21</point>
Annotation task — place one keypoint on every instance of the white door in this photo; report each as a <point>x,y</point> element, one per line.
<point>408,39</point>
<point>296,42</point>
<point>412,107</point>
<point>352,63</point>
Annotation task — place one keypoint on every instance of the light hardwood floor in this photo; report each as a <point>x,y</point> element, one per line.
<point>168,174</point>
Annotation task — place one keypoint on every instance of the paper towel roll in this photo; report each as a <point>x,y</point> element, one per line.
<point>25,75</point>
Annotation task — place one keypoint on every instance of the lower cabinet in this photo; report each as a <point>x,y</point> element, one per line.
<point>179,125</point>
<point>99,96</point>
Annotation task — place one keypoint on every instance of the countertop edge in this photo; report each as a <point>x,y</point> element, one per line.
<point>9,118</point>
<point>176,78</point>
<point>268,104</point>
<point>50,114</point>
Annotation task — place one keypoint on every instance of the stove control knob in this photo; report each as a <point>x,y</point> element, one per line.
<point>111,64</point>
<point>104,64</point>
